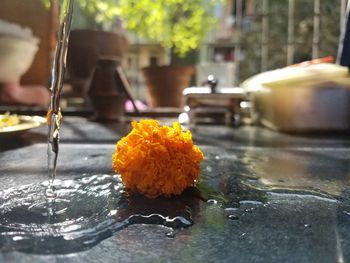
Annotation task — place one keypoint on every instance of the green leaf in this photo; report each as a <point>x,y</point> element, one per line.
<point>181,24</point>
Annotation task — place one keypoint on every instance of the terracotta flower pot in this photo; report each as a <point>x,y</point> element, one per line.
<point>85,47</point>
<point>165,84</point>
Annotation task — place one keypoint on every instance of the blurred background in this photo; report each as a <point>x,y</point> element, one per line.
<point>232,39</point>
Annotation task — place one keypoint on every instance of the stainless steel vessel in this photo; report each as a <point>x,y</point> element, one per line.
<point>323,106</point>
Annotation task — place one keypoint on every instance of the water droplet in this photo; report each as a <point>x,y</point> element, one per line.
<point>209,169</point>
<point>170,234</point>
<point>212,201</point>
<point>248,210</point>
<point>16,238</point>
<point>232,217</point>
<point>346,212</point>
<point>113,212</point>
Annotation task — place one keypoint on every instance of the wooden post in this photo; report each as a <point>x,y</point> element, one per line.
<point>316,31</point>
<point>342,13</point>
<point>265,36</point>
<point>239,15</point>
<point>290,47</point>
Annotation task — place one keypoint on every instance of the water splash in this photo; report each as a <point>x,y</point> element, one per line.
<point>84,212</point>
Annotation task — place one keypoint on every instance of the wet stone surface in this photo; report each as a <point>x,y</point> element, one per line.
<point>258,200</point>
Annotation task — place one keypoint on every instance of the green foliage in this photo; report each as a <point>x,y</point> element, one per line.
<point>46,3</point>
<point>178,24</point>
<point>98,14</point>
<point>103,12</point>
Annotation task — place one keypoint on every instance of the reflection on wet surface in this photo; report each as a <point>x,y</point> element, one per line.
<point>318,171</point>
<point>85,211</point>
<point>248,201</point>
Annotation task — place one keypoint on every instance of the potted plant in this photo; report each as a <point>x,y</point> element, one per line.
<point>180,25</point>
<point>96,34</point>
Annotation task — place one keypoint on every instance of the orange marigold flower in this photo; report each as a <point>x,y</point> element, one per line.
<point>157,160</point>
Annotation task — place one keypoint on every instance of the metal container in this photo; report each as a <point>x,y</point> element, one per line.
<point>323,106</point>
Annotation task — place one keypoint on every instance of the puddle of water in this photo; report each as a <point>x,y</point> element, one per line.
<point>298,172</point>
<point>84,212</point>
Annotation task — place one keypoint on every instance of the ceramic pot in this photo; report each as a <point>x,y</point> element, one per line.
<point>165,85</point>
<point>85,48</point>
<point>106,92</point>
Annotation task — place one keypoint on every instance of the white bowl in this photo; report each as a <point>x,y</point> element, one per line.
<point>16,56</point>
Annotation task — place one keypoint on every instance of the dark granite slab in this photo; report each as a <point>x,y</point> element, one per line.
<point>281,198</point>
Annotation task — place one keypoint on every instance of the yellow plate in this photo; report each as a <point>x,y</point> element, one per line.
<point>25,123</point>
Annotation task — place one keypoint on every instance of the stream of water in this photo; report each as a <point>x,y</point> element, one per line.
<point>59,64</point>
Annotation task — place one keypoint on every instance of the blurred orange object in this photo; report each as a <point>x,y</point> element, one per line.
<point>58,118</point>
<point>157,160</point>
<point>328,59</point>
<point>48,117</point>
